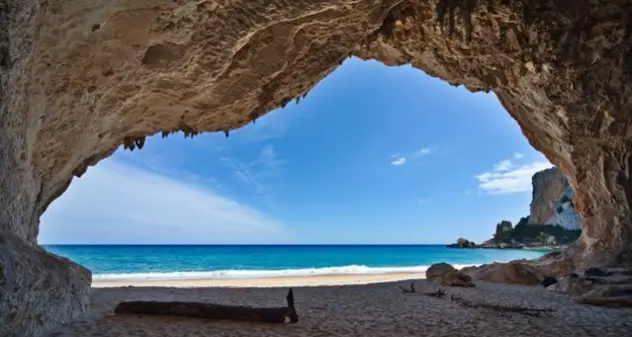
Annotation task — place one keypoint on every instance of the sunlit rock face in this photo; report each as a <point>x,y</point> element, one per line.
<point>81,77</point>
<point>553,200</point>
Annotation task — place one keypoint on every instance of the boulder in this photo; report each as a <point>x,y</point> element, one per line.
<point>515,272</point>
<point>38,290</point>
<point>463,243</point>
<point>446,275</point>
<point>595,272</point>
<point>572,285</point>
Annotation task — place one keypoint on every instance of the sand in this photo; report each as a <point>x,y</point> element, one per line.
<point>376,310</point>
<point>295,281</point>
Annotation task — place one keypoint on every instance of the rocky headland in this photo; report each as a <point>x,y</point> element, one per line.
<point>553,222</point>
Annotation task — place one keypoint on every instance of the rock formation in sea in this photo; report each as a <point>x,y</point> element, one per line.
<point>79,78</point>
<point>552,205</point>
<point>553,200</point>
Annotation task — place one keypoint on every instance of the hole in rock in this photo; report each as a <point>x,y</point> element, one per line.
<point>373,155</point>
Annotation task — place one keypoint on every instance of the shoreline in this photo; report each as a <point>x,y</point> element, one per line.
<point>263,282</point>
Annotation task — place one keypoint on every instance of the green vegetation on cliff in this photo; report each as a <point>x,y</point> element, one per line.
<point>536,235</point>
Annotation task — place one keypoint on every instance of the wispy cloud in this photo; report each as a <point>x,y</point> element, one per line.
<point>262,173</point>
<point>121,203</point>
<point>508,176</point>
<point>399,160</point>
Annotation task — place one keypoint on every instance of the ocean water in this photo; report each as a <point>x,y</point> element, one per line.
<point>165,262</point>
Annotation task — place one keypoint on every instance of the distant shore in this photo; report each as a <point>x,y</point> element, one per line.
<point>263,282</point>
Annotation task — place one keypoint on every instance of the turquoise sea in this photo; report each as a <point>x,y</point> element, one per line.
<point>163,262</point>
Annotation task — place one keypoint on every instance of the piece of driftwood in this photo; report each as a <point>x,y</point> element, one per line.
<point>613,302</point>
<point>502,308</point>
<point>439,293</point>
<point>410,290</point>
<point>214,311</point>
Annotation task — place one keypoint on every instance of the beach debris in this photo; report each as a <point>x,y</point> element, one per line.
<point>609,296</point>
<point>410,290</point>
<point>213,311</point>
<point>439,293</point>
<point>503,309</point>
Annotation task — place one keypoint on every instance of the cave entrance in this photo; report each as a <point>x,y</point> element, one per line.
<point>380,182</point>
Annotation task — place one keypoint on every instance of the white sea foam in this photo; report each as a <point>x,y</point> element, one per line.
<point>231,274</point>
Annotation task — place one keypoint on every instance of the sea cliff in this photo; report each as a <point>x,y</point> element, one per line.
<point>553,221</point>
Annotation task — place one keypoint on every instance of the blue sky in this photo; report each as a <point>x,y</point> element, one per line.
<point>373,154</point>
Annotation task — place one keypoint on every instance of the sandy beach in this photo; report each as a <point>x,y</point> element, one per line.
<point>376,310</point>
<point>265,282</point>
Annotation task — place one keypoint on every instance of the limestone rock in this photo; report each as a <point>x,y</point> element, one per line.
<point>571,284</point>
<point>515,272</point>
<point>463,243</point>
<point>552,200</point>
<point>446,275</point>
<point>38,290</point>
<point>548,186</point>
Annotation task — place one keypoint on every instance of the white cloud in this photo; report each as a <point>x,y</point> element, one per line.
<point>399,161</point>
<point>120,203</point>
<point>510,177</point>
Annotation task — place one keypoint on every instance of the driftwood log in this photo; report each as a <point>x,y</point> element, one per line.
<point>614,302</point>
<point>502,308</point>
<point>214,311</point>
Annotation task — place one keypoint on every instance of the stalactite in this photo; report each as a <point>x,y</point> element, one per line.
<point>139,142</point>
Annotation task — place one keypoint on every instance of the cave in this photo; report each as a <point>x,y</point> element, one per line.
<point>80,78</point>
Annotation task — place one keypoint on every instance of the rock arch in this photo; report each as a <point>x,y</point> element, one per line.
<point>81,77</point>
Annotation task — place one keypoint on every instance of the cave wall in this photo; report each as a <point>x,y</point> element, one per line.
<point>81,77</point>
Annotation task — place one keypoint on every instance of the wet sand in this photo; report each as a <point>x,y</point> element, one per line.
<point>290,281</point>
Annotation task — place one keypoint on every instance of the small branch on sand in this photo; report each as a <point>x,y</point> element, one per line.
<point>215,311</point>
<point>439,293</point>
<point>408,291</point>
<point>613,302</point>
<point>501,308</point>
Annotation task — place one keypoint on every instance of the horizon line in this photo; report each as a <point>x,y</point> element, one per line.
<point>242,244</point>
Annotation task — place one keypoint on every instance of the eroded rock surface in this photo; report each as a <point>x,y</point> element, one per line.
<point>548,186</point>
<point>515,272</point>
<point>38,290</point>
<point>552,202</point>
<point>81,77</point>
